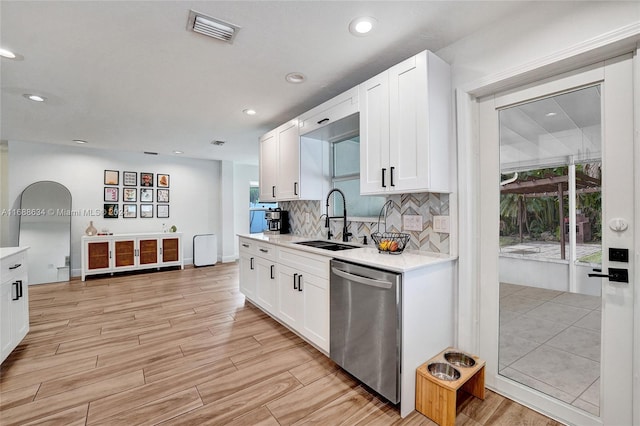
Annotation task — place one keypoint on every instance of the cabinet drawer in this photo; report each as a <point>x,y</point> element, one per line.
<point>266,251</point>
<point>305,262</point>
<point>13,266</point>
<point>247,246</point>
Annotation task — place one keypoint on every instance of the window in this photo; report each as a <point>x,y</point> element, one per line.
<point>346,177</point>
<point>257,221</point>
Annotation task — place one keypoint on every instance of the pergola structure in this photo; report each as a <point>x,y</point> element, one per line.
<point>548,186</point>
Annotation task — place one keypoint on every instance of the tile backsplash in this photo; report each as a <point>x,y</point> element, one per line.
<point>304,219</point>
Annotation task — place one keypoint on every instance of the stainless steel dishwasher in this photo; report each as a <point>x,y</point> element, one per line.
<point>365,325</point>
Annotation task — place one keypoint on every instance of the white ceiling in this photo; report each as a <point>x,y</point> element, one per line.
<point>127,75</point>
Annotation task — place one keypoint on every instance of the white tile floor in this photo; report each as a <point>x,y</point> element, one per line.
<point>550,341</point>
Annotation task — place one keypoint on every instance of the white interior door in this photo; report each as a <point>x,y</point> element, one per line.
<point>613,80</point>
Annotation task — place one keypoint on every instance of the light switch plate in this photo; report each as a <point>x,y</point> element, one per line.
<point>441,224</point>
<point>412,222</point>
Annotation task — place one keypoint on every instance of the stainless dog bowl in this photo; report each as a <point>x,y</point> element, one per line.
<point>459,359</point>
<point>443,371</point>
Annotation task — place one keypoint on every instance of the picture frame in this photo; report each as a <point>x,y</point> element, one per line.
<point>146,211</point>
<point>130,178</point>
<point>111,194</point>
<point>146,179</point>
<point>129,195</point>
<point>111,211</point>
<point>162,195</point>
<point>111,177</point>
<point>129,211</point>
<point>163,181</point>
<point>162,211</point>
<point>146,195</point>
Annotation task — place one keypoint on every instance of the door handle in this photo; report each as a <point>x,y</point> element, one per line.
<point>272,276</point>
<point>615,275</point>
<point>300,282</point>
<point>362,280</point>
<point>384,171</point>
<point>16,266</point>
<point>251,263</point>
<point>295,285</point>
<point>17,292</point>
<point>324,120</point>
<point>391,175</point>
<point>273,191</point>
<point>245,245</point>
<point>295,188</point>
<point>20,288</point>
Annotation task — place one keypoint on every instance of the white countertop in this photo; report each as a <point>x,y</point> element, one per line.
<point>10,251</point>
<point>365,255</point>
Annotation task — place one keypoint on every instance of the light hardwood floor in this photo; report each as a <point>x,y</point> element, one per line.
<point>183,347</point>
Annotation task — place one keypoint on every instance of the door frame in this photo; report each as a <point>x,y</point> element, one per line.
<point>624,40</point>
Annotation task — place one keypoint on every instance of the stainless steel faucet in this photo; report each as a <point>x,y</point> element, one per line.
<point>345,233</point>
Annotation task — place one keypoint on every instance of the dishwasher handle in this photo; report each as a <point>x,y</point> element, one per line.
<point>362,280</point>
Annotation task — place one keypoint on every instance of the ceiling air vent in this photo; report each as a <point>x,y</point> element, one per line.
<point>212,27</point>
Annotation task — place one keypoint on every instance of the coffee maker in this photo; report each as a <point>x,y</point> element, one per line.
<point>277,221</point>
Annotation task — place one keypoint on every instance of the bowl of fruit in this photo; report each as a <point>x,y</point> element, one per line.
<point>390,242</point>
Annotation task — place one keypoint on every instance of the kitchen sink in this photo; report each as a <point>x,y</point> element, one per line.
<point>326,245</point>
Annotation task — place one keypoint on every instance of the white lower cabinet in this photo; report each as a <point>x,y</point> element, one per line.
<point>290,285</point>
<point>248,271</point>
<point>14,302</point>
<point>266,284</point>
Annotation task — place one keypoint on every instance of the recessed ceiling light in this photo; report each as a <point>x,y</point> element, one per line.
<point>79,141</point>
<point>295,77</point>
<point>7,54</point>
<point>551,114</point>
<point>362,26</point>
<point>35,98</point>
<point>178,152</point>
<point>249,111</point>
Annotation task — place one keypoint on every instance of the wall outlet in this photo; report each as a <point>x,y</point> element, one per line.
<point>441,224</point>
<point>412,222</point>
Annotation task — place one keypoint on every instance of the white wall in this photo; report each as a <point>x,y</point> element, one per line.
<point>194,189</point>
<point>243,175</point>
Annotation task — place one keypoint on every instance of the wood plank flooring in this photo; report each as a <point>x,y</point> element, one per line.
<point>183,347</point>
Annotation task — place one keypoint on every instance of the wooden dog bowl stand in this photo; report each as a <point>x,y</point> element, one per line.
<point>436,398</point>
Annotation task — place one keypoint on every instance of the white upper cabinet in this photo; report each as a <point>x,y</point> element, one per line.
<point>290,169</point>
<point>405,128</point>
<point>288,187</point>
<point>268,166</point>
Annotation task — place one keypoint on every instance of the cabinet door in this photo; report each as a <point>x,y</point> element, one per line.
<point>8,292</point>
<point>408,124</point>
<point>21,310</point>
<point>315,320</point>
<point>290,302</point>
<point>268,166</point>
<point>374,134</point>
<point>98,255</point>
<point>288,182</point>
<point>170,251</point>
<point>248,275</point>
<point>148,251</point>
<point>124,253</point>
<point>266,290</point>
